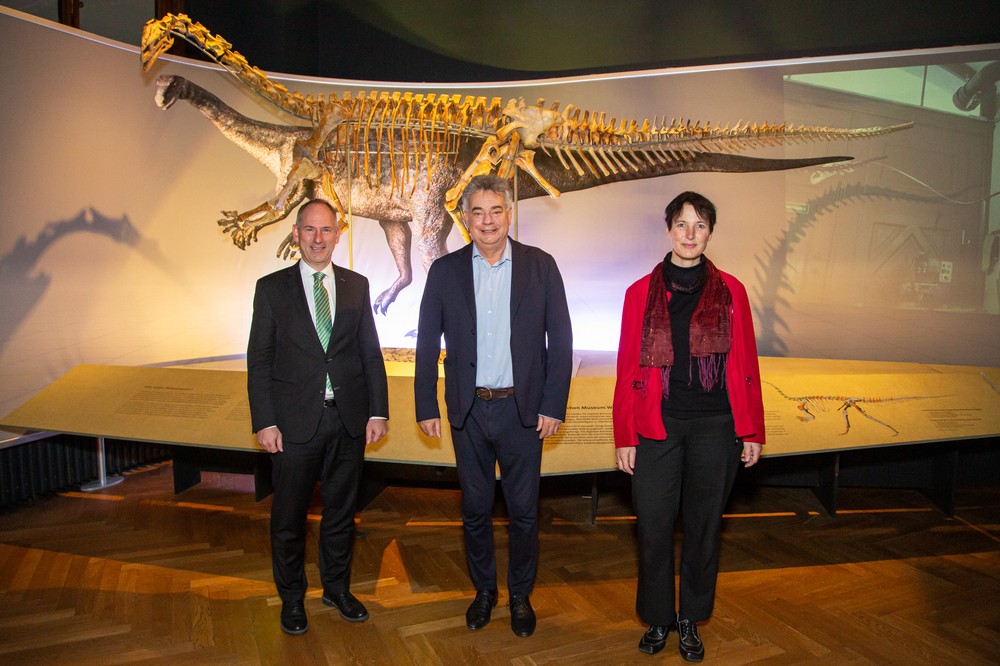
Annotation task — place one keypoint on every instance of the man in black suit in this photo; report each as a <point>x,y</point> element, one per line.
<point>318,395</point>
<point>502,309</point>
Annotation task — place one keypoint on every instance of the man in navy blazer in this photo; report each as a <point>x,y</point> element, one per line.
<point>501,307</point>
<point>314,407</point>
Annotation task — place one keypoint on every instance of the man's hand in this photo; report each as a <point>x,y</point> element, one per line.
<point>270,439</point>
<point>375,430</point>
<point>431,427</point>
<point>547,426</point>
<point>626,459</point>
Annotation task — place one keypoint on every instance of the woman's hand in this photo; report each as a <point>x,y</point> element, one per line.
<point>751,453</point>
<point>626,458</point>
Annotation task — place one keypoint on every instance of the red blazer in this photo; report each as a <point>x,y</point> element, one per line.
<point>636,406</point>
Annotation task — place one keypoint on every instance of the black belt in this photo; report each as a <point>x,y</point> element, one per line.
<point>484,393</point>
<point>330,403</point>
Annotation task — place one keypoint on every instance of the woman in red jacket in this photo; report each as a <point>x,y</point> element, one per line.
<point>687,408</point>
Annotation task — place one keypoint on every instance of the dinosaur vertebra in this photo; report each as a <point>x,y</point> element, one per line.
<point>405,157</point>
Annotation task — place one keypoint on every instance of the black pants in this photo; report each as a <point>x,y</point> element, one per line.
<point>692,471</point>
<point>333,458</point>
<point>493,434</point>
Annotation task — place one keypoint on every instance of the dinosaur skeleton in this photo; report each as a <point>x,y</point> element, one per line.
<point>405,157</point>
<point>819,403</point>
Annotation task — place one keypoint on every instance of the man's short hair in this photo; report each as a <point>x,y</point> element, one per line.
<point>487,183</point>
<point>317,202</point>
<point>701,205</point>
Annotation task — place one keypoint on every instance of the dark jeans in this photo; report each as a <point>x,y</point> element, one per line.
<point>690,472</point>
<point>493,434</point>
<point>333,458</point>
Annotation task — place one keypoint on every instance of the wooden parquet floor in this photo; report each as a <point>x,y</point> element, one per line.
<point>141,576</point>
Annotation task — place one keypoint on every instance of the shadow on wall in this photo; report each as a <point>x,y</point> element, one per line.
<point>771,266</point>
<point>21,290</point>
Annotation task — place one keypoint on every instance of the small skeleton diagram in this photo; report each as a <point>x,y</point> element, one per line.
<point>807,404</point>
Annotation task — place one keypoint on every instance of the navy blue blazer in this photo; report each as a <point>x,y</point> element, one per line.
<point>541,336</point>
<point>287,365</point>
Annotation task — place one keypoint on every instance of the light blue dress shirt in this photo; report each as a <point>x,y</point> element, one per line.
<point>492,287</point>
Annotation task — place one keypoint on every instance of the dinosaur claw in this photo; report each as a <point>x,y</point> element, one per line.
<point>230,220</point>
<point>242,237</point>
<point>287,248</point>
<point>383,302</point>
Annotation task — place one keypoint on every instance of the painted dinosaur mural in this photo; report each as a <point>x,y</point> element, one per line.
<point>403,159</point>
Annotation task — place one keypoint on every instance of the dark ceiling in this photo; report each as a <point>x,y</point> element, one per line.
<point>471,40</point>
<point>467,40</point>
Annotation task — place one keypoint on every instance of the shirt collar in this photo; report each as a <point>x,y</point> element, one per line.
<point>307,270</point>
<point>506,253</point>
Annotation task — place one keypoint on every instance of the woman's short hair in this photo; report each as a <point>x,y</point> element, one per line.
<point>701,205</point>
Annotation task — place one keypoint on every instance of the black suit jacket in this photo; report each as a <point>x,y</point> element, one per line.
<point>541,337</point>
<point>287,365</point>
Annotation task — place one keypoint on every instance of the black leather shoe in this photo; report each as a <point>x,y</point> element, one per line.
<point>293,618</point>
<point>522,616</point>
<point>655,638</point>
<point>478,614</point>
<point>691,647</point>
<point>350,608</point>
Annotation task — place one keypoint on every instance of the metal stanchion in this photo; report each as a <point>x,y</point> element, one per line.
<point>103,480</point>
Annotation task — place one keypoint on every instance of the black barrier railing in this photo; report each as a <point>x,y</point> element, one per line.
<point>37,468</point>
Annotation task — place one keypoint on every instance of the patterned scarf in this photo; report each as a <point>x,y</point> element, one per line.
<point>709,334</point>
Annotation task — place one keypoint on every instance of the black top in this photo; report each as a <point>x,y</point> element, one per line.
<point>686,398</point>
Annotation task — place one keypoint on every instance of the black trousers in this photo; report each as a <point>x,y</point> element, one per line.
<point>690,472</point>
<point>333,458</point>
<point>491,434</point>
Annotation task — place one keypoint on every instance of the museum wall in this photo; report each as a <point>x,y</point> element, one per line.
<point>110,252</point>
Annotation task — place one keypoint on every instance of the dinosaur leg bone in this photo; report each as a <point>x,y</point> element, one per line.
<point>526,161</point>
<point>399,238</point>
<point>809,416</point>
<point>868,416</point>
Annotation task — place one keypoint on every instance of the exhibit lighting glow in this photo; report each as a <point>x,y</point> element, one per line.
<point>595,332</point>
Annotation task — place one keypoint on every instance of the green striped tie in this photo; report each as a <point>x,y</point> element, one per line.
<point>324,325</point>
